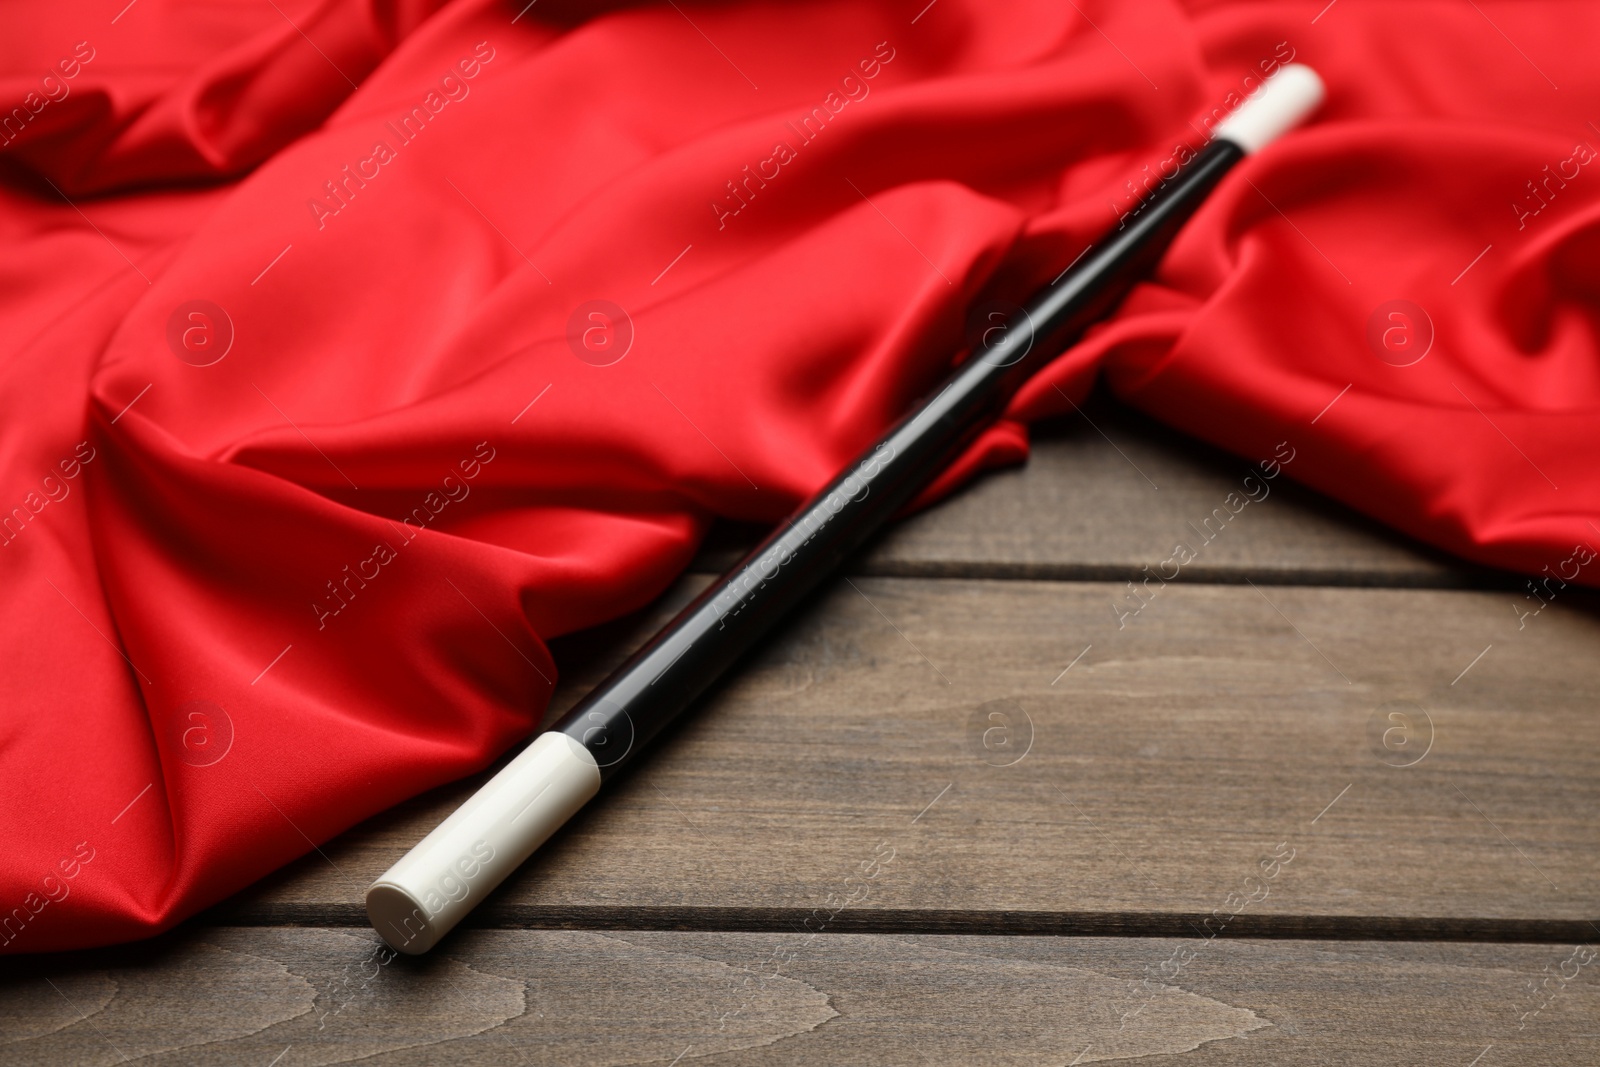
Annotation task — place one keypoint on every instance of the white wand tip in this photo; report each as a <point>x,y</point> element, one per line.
<point>1277,107</point>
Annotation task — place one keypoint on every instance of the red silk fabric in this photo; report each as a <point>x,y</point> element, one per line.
<point>309,436</point>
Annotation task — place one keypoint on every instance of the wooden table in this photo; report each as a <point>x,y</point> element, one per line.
<point>1320,800</point>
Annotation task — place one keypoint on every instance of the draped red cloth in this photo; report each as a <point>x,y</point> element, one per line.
<point>311,434</point>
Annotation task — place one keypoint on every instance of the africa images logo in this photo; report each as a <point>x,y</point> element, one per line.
<point>339,191</point>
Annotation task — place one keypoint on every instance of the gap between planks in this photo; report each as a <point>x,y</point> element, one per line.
<point>925,921</point>
<point>1328,577</point>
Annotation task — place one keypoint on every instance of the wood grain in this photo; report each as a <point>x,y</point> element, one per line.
<point>1167,762</point>
<point>1106,492</point>
<point>290,997</point>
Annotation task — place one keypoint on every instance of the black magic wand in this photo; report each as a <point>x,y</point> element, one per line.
<point>420,898</point>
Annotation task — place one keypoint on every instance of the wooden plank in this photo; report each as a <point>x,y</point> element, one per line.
<point>291,997</point>
<point>1108,492</point>
<point>1424,760</point>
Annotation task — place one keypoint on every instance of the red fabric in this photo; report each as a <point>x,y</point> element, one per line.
<point>185,710</point>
